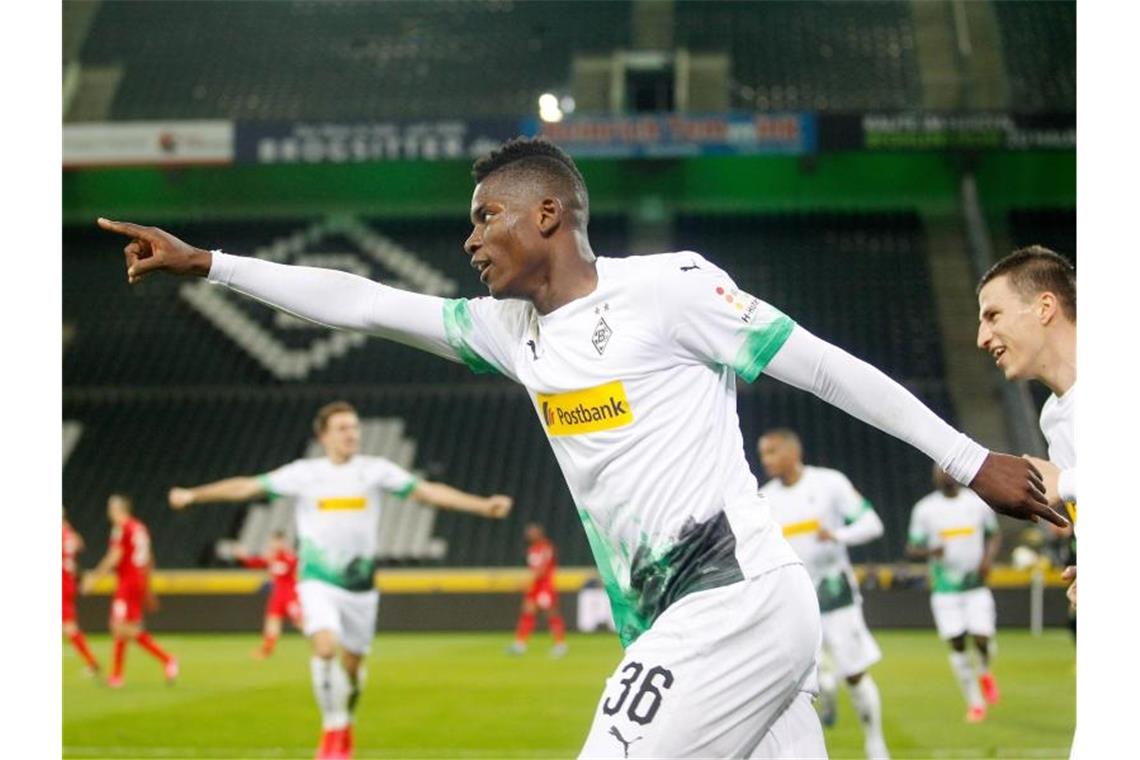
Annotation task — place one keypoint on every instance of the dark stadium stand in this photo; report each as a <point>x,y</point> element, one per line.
<point>166,399</point>
<point>1040,50</point>
<point>1055,229</point>
<point>345,60</point>
<point>825,56</point>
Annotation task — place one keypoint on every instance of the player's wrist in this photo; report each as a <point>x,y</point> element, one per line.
<point>200,262</point>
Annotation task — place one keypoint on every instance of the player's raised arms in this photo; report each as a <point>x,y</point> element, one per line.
<point>1010,485</point>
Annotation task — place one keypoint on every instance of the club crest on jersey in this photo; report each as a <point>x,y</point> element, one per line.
<point>601,336</point>
<point>742,303</point>
<point>603,407</point>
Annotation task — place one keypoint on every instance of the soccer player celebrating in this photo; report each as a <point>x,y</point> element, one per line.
<point>131,557</point>
<point>630,364</point>
<point>542,559</point>
<point>821,514</point>
<point>958,534</point>
<point>281,562</point>
<point>1027,305</point>
<point>73,545</point>
<point>337,508</point>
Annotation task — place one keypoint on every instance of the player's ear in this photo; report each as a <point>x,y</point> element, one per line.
<point>1046,307</point>
<point>549,215</point>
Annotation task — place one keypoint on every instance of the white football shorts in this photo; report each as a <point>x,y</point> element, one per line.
<point>725,672</point>
<point>351,615</point>
<point>962,612</point>
<point>848,641</point>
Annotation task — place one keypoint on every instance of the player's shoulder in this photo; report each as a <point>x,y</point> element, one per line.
<point>826,475</point>
<point>679,265</point>
<point>928,502</point>
<point>510,314</point>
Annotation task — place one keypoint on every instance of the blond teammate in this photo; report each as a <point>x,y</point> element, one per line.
<point>631,365</point>
<point>338,503</point>
<point>821,514</point>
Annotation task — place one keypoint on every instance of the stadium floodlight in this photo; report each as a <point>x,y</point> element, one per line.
<point>548,109</point>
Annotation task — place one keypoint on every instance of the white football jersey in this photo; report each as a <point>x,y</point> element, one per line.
<point>821,498</point>
<point>635,387</point>
<point>337,508</point>
<point>1059,423</point>
<point>960,525</point>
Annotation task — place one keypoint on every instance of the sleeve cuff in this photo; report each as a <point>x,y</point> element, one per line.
<point>1067,484</point>
<point>221,267</point>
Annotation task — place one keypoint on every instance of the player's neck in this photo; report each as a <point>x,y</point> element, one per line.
<point>1057,365</point>
<point>793,477</point>
<point>338,459</point>
<point>572,273</point>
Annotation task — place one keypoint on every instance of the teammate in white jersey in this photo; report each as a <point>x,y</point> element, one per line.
<point>631,365</point>
<point>337,507</point>
<point>958,534</point>
<point>821,514</point>
<point>1028,321</point>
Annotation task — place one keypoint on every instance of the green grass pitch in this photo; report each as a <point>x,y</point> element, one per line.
<point>454,695</point>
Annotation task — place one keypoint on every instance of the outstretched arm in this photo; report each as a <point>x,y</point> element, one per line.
<point>1010,485</point>
<point>444,496</point>
<point>863,529</point>
<point>325,296</point>
<point>110,559</point>
<point>230,489</point>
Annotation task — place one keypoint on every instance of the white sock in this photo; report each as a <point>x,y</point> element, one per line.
<point>865,697</point>
<point>332,689</point>
<point>963,668</point>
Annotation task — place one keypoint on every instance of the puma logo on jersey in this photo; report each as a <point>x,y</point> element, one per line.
<point>603,407</point>
<point>690,268</point>
<point>625,744</point>
<point>533,349</point>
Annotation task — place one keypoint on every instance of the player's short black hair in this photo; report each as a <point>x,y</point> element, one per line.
<point>539,160</point>
<point>1037,269</point>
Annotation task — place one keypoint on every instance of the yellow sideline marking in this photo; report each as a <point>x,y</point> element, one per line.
<point>391,581</point>
<point>492,580</point>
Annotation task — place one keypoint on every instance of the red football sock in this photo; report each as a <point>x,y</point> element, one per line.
<point>79,641</point>
<point>526,625</point>
<point>267,644</point>
<point>120,652</point>
<point>147,643</point>
<point>558,629</point>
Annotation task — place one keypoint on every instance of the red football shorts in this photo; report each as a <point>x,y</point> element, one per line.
<point>127,604</point>
<point>543,595</point>
<point>284,603</point>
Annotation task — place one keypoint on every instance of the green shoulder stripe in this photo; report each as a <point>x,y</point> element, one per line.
<point>267,486</point>
<point>458,325</point>
<point>760,345</point>
<point>411,486</point>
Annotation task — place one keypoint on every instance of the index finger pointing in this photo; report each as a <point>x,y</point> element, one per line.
<point>125,228</point>
<point>1053,517</point>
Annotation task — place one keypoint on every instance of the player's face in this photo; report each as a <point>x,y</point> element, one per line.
<point>778,455</point>
<point>533,533</point>
<point>1009,329</point>
<point>506,246</point>
<point>117,511</point>
<point>341,436</point>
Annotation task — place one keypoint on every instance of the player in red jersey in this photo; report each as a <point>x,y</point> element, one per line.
<point>283,602</point>
<point>130,555</point>
<point>542,559</point>
<point>72,545</point>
